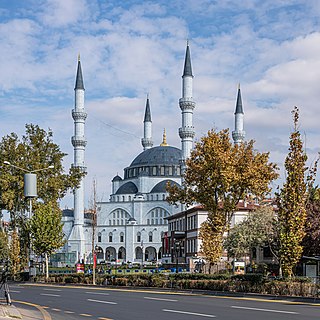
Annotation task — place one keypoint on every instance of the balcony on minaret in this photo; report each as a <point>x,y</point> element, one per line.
<point>238,136</point>
<point>186,103</point>
<point>79,115</point>
<point>147,142</point>
<point>186,132</point>
<point>78,141</point>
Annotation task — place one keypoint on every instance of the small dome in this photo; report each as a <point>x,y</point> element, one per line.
<point>128,188</point>
<point>161,186</point>
<point>117,178</point>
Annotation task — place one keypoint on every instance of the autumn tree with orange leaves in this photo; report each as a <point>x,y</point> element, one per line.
<point>218,175</point>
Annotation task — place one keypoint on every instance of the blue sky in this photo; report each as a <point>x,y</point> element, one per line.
<point>131,48</point>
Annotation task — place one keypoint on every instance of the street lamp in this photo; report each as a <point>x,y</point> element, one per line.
<point>177,248</point>
<point>30,182</point>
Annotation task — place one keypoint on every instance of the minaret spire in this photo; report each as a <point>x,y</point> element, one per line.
<point>187,105</point>
<point>76,239</point>
<point>146,141</point>
<point>238,134</point>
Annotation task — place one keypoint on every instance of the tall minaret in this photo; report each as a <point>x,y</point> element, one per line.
<point>238,134</point>
<point>146,141</point>
<point>76,238</point>
<point>186,103</point>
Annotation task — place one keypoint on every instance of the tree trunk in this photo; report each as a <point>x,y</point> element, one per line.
<point>47,266</point>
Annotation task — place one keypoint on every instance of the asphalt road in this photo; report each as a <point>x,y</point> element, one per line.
<point>69,302</point>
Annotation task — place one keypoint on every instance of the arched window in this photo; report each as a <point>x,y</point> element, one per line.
<point>110,237</point>
<point>139,237</point>
<point>99,237</point>
<point>121,237</point>
<point>150,236</point>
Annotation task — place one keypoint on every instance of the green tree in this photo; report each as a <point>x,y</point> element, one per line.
<point>218,175</point>
<point>257,230</point>
<point>34,151</point>
<point>15,252</point>
<point>45,228</point>
<point>311,241</point>
<point>292,201</point>
<point>4,245</point>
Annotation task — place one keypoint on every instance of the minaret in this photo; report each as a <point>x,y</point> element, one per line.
<point>238,134</point>
<point>146,141</point>
<point>186,103</point>
<point>76,238</point>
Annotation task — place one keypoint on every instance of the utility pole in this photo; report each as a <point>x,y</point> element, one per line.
<point>94,223</point>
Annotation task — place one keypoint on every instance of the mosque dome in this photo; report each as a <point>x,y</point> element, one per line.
<point>162,161</point>
<point>161,155</point>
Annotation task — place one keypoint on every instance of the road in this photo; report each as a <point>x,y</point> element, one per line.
<point>74,302</point>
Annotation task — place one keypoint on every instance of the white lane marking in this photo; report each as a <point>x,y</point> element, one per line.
<point>101,293</point>
<point>266,310</point>
<point>15,291</point>
<point>108,302</point>
<point>50,295</point>
<point>191,313</point>
<point>69,311</point>
<point>52,289</point>
<point>160,299</point>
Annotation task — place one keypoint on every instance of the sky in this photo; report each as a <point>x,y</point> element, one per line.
<point>133,48</point>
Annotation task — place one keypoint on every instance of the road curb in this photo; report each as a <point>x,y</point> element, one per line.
<point>45,314</point>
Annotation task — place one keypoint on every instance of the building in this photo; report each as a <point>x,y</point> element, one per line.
<point>130,225</point>
<point>181,242</point>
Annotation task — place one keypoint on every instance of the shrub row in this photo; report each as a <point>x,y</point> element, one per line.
<point>253,283</point>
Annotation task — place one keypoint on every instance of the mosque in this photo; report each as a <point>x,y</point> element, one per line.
<point>129,226</point>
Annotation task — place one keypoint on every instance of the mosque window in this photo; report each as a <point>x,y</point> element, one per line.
<point>123,198</point>
<point>151,197</point>
<point>154,171</point>
<point>178,171</point>
<point>99,237</point>
<point>163,197</point>
<point>118,222</point>
<point>152,214</point>
<point>129,198</point>
<point>148,221</point>
<point>162,171</point>
<point>152,221</point>
<point>121,237</point>
<point>114,215</point>
<point>157,197</point>
<point>170,171</point>
<point>139,237</point>
<point>156,221</point>
<point>117,198</point>
<point>110,223</point>
<point>110,237</point>
<point>150,236</point>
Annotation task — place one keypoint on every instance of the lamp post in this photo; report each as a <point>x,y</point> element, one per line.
<point>177,247</point>
<point>30,186</point>
<point>30,182</point>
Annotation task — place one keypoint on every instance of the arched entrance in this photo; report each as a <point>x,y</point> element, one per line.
<point>122,254</point>
<point>110,254</point>
<point>150,254</point>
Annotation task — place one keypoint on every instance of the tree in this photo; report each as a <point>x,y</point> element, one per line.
<point>4,245</point>
<point>311,241</point>
<point>36,150</point>
<point>257,230</point>
<point>292,200</point>
<point>15,252</point>
<point>218,175</point>
<point>45,228</point>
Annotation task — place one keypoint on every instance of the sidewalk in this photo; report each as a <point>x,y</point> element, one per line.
<point>19,311</point>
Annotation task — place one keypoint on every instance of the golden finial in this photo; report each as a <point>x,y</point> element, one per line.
<point>164,140</point>
<point>79,56</point>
